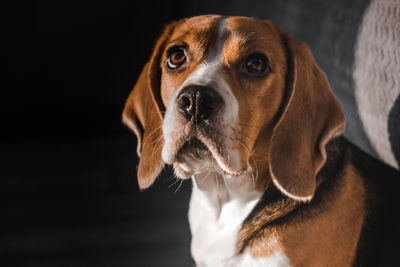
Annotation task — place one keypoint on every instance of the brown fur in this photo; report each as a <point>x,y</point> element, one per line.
<point>324,232</point>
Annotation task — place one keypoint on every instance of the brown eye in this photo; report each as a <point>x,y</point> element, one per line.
<point>176,57</point>
<point>257,64</point>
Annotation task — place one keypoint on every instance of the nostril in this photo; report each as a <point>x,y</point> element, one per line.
<point>184,102</point>
<point>185,105</point>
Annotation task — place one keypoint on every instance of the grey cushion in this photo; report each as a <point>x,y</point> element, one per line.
<point>377,77</point>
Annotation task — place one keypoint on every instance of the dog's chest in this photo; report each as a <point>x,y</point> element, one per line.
<point>215,217</point>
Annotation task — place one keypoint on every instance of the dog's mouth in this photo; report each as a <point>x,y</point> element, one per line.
<point>193,148</point>
<point>199,153</point>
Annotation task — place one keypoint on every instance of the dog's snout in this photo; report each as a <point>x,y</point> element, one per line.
<point>198,102</point>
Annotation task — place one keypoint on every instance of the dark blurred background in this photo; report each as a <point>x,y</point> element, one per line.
<point>68,166</point>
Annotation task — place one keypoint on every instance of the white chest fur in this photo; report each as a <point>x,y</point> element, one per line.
<point>217,210</point>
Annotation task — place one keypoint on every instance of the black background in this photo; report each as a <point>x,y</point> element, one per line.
<point>69,66</point>
<point>68,166</point>
<point>69,195</point>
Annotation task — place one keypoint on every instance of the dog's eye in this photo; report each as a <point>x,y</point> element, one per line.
<point>257,64</point>
<point>176,57</point>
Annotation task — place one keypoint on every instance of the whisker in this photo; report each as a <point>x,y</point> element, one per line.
<point>154,148</point>
<point>216,180</point>
<point>148,137</point>
<point>251,158</point>
<point>156,141</point>
<point>205,177</point>
<point>179,186</point>
<point>202,169</point>
<point>176,180</point>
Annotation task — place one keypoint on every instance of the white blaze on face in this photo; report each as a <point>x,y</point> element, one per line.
<point>176,129</point>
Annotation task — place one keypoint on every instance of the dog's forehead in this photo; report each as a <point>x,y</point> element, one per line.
<point>204,30</point>
<point>240,25</point>
<point>195,29</point>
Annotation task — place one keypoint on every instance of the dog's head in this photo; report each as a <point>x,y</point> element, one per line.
<point>236,95</point>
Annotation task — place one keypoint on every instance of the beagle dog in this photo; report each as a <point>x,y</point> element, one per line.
<point>241,108</point>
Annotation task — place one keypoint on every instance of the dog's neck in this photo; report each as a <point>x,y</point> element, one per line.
<point>219,205</point>
<point>220,189</point>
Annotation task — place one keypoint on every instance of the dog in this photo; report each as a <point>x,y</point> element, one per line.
<point>241,108</point>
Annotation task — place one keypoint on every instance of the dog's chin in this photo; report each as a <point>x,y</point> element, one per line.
<point>201,154</point>
<point>192,157</point>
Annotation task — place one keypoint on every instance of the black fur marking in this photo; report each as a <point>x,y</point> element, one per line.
<point>379,244</point>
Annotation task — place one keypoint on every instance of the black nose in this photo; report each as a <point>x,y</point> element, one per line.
<point>198,102</point>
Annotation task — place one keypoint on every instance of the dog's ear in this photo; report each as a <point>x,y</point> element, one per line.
<point>310,117</point>
<point>143,114</point>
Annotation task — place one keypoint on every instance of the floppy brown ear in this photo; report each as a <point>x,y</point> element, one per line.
<point>143,114</point>
<point>311,116</point>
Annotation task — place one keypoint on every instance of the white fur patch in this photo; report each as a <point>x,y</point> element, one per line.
<point>218,207</point>
<point>216,214</point>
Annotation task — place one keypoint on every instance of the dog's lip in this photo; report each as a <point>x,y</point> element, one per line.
<point>192,146</point>
<point>207,144</point>
<point>192,143</point>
